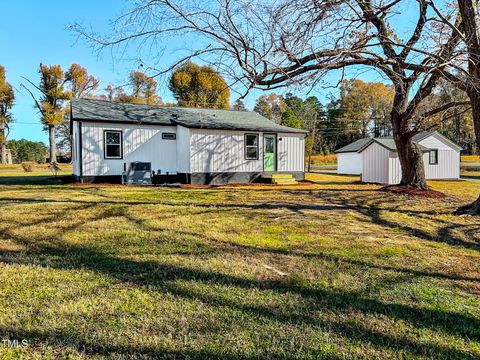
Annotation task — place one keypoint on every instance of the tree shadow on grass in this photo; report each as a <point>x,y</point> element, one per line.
<point>164,277</point>
<point>373,210</point>
<point>360,205</point>
<point>35,180</point>
<point>60,341</point>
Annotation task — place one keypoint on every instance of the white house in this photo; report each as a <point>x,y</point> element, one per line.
<point>380,162</point>
<point>349,160</point>
<point>200,146</point>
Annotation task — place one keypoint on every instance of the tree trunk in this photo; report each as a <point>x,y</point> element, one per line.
<point>471,27</point>
<point>409,154</point>
<point>4,154</point>
<point>474,95</point>
<point>411,161</point>
<point>310,151</point>
<point>3,142</point>
<point>53,145</point>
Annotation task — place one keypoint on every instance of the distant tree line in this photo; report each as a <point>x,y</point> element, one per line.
<point>26,150</point>
<point>362,109</point>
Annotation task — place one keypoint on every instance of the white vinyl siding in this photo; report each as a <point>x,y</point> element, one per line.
<point>193,150</point>
<point>183,149</point>
<point>394,168</point>
<point>214,151</point>
<point>140,143</point>
<point>375,164</point>
<point>448,166</point>
<point>291,152</point>
<point>383,166</point>
<point>349,163</point>
<point>435,142</point>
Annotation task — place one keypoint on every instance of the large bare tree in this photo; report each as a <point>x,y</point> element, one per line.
<point>264,44</point>
<point>470,29</point>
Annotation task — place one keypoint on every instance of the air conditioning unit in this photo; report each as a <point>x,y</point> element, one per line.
<point>137,173</point>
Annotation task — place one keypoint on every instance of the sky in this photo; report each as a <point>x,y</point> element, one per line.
<point>34,32</point>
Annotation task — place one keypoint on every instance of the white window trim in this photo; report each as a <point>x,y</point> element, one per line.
<point>430,157</point>
<point>105,144</point>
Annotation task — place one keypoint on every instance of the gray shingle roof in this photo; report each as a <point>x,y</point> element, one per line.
<point>389,143</point>
<point>106,111</point>
<point>386,142</point>
<point>422,135</point>
<point>355,146</point>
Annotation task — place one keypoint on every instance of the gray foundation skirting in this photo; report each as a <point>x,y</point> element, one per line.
<point>195,178</point>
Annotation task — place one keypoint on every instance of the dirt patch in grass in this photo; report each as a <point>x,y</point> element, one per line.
<point>413,191</point>
<point>244,185</point>
<point>194,186</point>
<point>79,184</point>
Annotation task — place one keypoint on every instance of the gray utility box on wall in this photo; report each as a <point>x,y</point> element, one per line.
<point>137,173</point>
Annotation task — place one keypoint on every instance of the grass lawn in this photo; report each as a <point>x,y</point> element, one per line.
<point>471,174</point>
<point>332,270</point>
<point>470,158</point>
<point>319,160</point>
<point>14,174</point>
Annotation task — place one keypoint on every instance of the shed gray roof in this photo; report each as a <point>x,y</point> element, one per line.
<point>422,135</point>
<point>387,142</point>
<point>355,146</point>
<point>106,111</point>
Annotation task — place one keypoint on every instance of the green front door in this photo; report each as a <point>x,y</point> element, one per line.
<point>269,152</point>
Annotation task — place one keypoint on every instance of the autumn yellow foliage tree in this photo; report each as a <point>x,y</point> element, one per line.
<point>366,107</point>
<point>272,106</point>
<point>50,103</point>
<point>81,83</point>
<point>142,90</point>
<point>199,86</point>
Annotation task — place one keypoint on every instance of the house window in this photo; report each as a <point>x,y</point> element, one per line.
<point>433,157</point>
<point>169,136</point>
<point>113,144</point>
<point>251,146</point>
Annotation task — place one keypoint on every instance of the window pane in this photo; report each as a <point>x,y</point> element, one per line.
<point>433,156</point>
<point>252,152</point>
<point>113,151</point>
<point>269,145</point>
<point>252,140</point>
<point>112,137</point>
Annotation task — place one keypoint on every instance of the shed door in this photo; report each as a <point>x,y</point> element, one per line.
<point>269,152</point>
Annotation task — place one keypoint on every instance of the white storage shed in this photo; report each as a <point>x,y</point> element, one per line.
<point>441,158</point>
<point>349,160</point>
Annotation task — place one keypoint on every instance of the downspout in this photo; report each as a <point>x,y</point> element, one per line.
<point>80,148</point>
